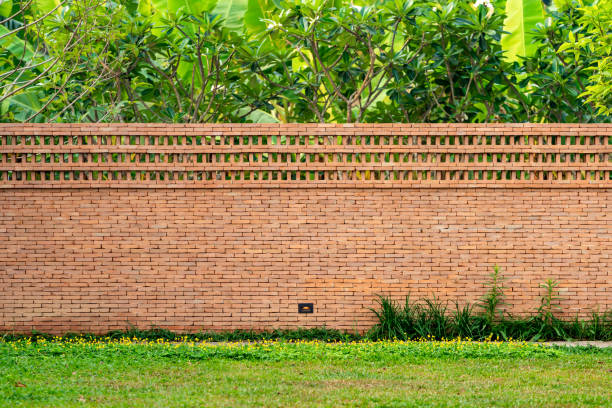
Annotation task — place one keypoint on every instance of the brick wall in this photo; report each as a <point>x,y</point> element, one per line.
<point>229,226</point>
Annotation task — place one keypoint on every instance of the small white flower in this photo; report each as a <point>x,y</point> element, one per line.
<point>487,4</point>
<point>273,25</point>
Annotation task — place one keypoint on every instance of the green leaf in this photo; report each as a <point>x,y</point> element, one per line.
<point>565,46</point>
<point>158,6</point>
<point>522,17</point>
<point>193,7</point>
<point>256,12</point>
<point>5,7</point>
<point>162,7</point>
<point>14,45</point>
<point>232,12</point>
<point>45,6</point>
<point>145,7</point>
<point>259,116</point>
<point>22,105</point>
<point>254,15</point>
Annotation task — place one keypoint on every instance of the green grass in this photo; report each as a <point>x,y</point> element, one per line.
<point>124,373</point>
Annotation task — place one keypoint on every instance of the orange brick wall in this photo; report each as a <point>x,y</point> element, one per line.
<point>97,258</point>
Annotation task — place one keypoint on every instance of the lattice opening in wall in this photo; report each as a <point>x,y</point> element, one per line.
<point>251,155</point>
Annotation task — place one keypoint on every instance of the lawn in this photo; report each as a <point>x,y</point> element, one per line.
<point>383,374</point>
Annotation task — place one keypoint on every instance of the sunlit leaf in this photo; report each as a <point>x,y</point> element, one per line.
<point>522,18</point>
<point>232,12</point>
<point>5,7</point>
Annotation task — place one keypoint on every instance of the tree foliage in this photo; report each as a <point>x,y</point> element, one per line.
<point>594,39</point>
<point>298,61</point>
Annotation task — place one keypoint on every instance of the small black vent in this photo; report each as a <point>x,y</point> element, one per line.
<point>305,308</point>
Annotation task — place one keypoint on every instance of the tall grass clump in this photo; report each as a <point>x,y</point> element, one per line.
<point>396,321</point>
<point>430,318</point>
<point>411,320</point>
<point>494,298</point>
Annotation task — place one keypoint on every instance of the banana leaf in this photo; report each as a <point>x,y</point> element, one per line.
<point>522,16</point>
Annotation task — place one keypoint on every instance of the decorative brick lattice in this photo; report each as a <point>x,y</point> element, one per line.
<point>386,155</point>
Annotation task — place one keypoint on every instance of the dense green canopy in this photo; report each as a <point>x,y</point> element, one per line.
<point>305,60</point>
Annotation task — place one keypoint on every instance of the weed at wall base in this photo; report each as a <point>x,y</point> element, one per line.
<point>429,319</point>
